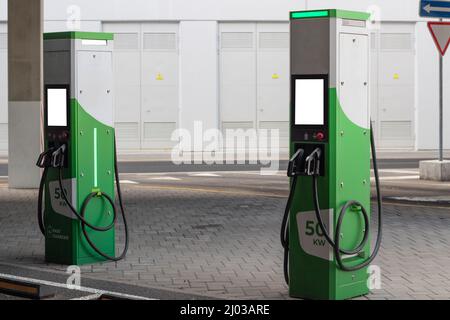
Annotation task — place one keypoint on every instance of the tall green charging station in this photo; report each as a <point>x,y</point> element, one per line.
<point>326,227</point>
<point>79,160</point>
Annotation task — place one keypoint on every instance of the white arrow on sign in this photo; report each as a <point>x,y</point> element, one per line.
<point>441,35</point>
<point>429,8</point>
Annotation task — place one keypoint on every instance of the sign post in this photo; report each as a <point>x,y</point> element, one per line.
<point>440,31</point>
<point>441,36</point>
<point>441,107</point>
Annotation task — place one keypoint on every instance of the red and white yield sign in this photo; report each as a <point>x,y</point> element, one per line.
<point>441,35</point>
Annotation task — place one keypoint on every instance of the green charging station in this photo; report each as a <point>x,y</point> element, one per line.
<point>326,229</point>
<point>76,211</point>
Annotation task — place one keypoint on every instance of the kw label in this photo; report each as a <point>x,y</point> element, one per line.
<point>312,240</point>
<point>59,206</point>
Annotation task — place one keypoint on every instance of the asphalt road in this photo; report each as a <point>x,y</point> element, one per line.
<point>166,166</point>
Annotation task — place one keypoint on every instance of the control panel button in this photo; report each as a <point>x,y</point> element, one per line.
<point>320,136</point>
<point>64,135</point>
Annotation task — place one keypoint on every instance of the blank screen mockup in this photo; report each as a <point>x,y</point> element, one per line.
<point>57,107</point>
<point>309,102</point>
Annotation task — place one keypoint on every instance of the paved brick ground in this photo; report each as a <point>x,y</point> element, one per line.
<point>227,245</point>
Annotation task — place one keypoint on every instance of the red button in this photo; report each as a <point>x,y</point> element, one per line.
<point>320,136</point>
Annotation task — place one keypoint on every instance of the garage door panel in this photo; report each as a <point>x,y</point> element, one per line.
<point>125,103</point>
<point>160,103</point>
<point>159,84</point>
<point>273,68</point>
<point>396,109</point>
<point>254,76</point>
<point>238,103</point>
<point>397,68</point>
<point>238,87</point>
<point>396,134</point>
<point>272,102</point>
<point>159,87</point>
<point>273,86</point>
<point>273,78</point>
<point>238,68</point>
<point>160,41</point>
<point>158,135</point>
<point>159,68</point>
<point>128,136</point>
<point>126,41</point>
<point>146,83</point>
<point>393,91</point>
<point>237,75</point>
<point>281,127</point>
<point>127,68</point>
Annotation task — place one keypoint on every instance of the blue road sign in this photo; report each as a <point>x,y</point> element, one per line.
<point>435,9</point>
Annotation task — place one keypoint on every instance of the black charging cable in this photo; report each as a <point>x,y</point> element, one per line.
<point>56,160</point>
<point>336,243</point>
<point>294,170</point>
<point>44,162</point>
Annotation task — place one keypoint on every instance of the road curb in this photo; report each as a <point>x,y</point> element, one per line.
<point>419,201</point>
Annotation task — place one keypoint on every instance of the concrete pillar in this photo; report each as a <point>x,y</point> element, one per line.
<point>25,78</point>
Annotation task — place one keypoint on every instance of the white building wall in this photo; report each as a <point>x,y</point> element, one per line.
<point>175,9</point>
<point>386,10</point>
<point>198,75</point>
<point>92,13</point>
<point>3,87</point>
<point>58,25</point>
<point>256,10</point>
<point>3,10</point>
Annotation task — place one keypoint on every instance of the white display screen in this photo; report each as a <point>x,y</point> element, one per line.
<point>309,102</point>
<point>57,107</point>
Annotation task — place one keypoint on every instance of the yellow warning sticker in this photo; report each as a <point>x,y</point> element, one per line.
<point>275,76</point>
<point>159,77</point>
<point>396,76</point>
